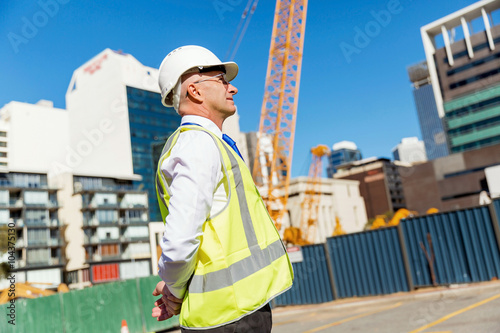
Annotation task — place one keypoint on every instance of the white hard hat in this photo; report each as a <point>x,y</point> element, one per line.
<point>183,59</point>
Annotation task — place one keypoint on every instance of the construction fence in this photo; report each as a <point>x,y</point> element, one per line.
<point>439,249</point>
<point>98,309</point>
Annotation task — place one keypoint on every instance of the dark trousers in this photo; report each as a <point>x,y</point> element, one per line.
<point>260,321</point>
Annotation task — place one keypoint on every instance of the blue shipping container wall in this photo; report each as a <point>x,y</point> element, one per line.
<point>367,263</point>
<point>496,205</point>
<point>311,282</point>
<point>464,246</point>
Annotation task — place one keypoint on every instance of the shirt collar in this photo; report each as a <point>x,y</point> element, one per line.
<point>203,122</point>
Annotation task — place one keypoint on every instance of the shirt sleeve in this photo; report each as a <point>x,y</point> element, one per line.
<point>195,169</point>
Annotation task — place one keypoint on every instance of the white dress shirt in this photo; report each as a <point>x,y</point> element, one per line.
<point>196,193</point>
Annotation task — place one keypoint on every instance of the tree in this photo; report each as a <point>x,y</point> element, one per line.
<point>4,267</point>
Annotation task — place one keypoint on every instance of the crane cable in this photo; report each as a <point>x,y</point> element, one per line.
<point>246,16</point>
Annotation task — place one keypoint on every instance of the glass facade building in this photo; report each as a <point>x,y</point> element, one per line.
<point>151,124</point>
<point>341,156</point>
<point>431,125</point>
<point>473,121</point>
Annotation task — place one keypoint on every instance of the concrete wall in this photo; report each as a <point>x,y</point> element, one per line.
<point>339,198</point>
<point>36,136</point>
<point>71,216</point>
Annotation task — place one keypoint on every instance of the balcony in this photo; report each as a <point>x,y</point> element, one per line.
<point>55,223</point>
<point>137,220</point>
<point>19,264</point>
<point>107,189</point>
<point>107,257</point>
<point>16,203</point>
<point>96,240</point>
<point>94,205</point>
<point>95,222</point>
<point>56,242</point>
<point>112,222</point>
<point>25,185</point>
<point>44,262</point>
<point>90,240</point>
<point>44,242</point>
<point>56,261</point>
<point>19,223</point>
<point>132,239</point>
<point>20,243</point>
<point>38,262</point>
<point>105,205</point>
<point>37,223</point>
<point>53,204</point>
<point>109,240</point>
<point>91,222</point>
<point>126,206</point>
<point>44,204</point>
<point>136,255</point>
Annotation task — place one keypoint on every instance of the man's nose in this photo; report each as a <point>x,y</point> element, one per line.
<point>232,89</point>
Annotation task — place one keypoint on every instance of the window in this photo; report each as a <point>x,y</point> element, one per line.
<point>40,256</point>
<point>3,134</point>
<point>38,237</point>
<point>3,144</point>
<point>36,217</point>
<point>3,154</point>
<point>36,197</point>
<point>107,216</point>
<point>109,250</point>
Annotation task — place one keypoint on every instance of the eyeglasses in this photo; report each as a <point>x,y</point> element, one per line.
<point>222,79</point>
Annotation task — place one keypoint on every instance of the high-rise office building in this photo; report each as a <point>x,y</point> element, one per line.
<point>431,125</point>
<point>342,152</point>
<point>115,91</point>
<point>465,76</point>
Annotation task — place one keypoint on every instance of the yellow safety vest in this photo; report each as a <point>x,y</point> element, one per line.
<point>242,263</point>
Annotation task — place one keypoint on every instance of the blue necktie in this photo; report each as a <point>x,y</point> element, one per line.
<point>225,137</point>
<point>231,144</point>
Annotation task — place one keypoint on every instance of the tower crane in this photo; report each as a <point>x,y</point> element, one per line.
<point>273,157</point>
<point>309,207</point>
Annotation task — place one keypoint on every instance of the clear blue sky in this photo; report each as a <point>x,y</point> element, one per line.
<point>367,100</point>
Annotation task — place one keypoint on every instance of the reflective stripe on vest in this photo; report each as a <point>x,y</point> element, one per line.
<point>271,259</point>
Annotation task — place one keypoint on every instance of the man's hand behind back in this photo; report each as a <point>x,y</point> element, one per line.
<point>166,306</point>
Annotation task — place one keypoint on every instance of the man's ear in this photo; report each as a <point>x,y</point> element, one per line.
<point>193,93</point>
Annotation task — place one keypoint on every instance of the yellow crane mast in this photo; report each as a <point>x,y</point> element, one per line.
<point>309,207</point>
<point>274,150</point>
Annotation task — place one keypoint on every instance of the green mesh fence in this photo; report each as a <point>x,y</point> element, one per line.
<point>98,309</point>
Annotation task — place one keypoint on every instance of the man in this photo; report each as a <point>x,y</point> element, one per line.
<point>222,258</point>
